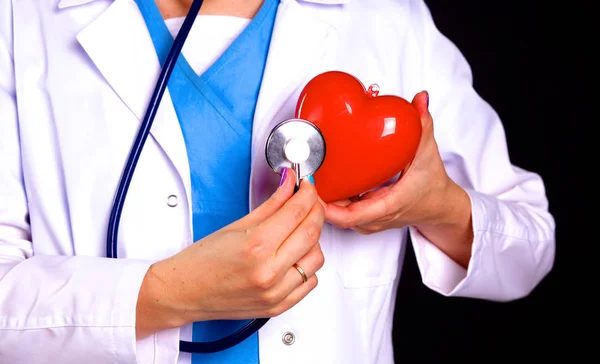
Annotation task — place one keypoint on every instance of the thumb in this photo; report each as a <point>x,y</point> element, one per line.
<point>421,103</point>
<point>276,201</point>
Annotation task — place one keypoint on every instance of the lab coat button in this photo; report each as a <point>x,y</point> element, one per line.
<point>288,338</point>
<point>172,201</point>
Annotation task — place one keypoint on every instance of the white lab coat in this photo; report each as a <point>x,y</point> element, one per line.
<point>75,77</point>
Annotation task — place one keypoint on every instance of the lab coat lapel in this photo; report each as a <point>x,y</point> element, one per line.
<point>119,44</point>
<point>300,42</point>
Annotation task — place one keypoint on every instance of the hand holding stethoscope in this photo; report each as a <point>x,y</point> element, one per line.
<point>269,258</point>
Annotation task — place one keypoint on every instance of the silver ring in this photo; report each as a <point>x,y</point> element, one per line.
<point>302,273</point>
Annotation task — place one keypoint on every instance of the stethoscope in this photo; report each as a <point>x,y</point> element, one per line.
<point>294,143</point>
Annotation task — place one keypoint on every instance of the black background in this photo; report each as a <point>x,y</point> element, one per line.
<point>521,55</point>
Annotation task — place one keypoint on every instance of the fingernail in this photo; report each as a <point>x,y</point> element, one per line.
<point>283,176</point>
<point>311,179</point>
<point>427,94</point>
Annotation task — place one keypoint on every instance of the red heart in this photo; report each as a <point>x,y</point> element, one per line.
<point>369,138</point>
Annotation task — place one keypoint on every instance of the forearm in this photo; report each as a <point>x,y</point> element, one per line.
<point>452,232</point>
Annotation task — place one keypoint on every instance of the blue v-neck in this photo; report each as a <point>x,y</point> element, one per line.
<point>241,57</point>
<point>215,112</point>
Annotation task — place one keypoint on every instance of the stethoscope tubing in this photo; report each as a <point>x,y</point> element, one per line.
<point>134,155</point>
<point>144,131</point>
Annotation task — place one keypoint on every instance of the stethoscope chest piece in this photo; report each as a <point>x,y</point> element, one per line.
<point>296,144</point>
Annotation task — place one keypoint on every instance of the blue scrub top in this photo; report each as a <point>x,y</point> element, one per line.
<point>215,112</point>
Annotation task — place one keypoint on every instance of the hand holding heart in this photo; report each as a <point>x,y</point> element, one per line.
<point>369,140</point>
<point>423,195</point>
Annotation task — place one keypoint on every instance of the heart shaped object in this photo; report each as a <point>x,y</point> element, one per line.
<point>369,138</point>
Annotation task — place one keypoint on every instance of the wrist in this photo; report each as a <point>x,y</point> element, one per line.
<point>450,207</point>
<point>156,306</point>
<point>452,229</point>
<point>457,211</point>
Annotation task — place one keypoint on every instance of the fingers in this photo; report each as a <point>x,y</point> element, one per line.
<point>295,229</point>
<point>303,238</point>
<point>343,203</point>
<point>421,103</point>
<point>274,203</point>
<point>274,307</point>
<point>290,300</point>
<point>310,263</point>
<point>370,207</point>
<point>323,203</point>
<point>364,231</point>
<point>357,213</point>
<point>291,289</point>
<point>276,228</point>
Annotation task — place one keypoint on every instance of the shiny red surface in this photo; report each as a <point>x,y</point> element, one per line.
<point>369,138</point>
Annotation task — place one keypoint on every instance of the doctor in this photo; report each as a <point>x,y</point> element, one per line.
<point>209,232</point>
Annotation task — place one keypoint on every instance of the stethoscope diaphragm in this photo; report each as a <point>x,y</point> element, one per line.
<point>296,144</point>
